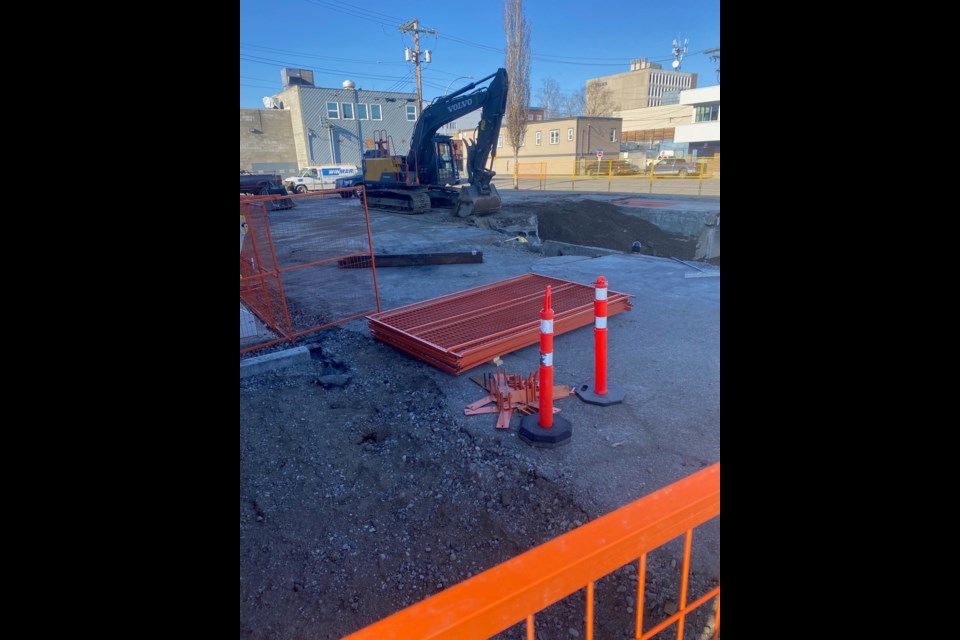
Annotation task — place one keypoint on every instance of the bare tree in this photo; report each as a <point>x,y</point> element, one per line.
<point>576,103</point>
<point>600,101</point>
<point>551,98</point>
<point>517,30</point>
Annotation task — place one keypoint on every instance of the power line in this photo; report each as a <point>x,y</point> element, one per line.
<point>364,13</point>
<point>332,58</point>
<point>379,18</point>
<point>286,63</point>
<point>313,55</point>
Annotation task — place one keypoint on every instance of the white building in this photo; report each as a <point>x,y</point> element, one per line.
<point>703,131</point>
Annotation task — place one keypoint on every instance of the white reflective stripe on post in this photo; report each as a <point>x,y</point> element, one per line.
<point>601,293</point>
<point>601,322</point>
<point>546,359</point>
<point>546,326</point>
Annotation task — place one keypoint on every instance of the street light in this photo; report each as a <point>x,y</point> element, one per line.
<point>447,90</point>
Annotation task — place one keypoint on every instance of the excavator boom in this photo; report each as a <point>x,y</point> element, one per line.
<point>480,196</point>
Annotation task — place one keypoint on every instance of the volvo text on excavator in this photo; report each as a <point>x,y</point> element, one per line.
<point>428,175</point>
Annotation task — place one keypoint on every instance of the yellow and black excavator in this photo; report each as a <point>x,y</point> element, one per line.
<point>428,176</point>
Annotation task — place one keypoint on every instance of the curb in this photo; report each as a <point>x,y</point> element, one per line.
<point>271,361</point>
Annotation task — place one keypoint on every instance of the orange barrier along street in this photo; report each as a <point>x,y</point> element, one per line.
<point>515,590</point>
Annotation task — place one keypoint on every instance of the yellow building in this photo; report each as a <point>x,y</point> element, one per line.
<point>556,144</point>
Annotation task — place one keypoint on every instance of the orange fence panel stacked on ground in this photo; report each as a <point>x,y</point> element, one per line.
<point>462,330</point>
<point>291,279</point>
<point>516,590</point>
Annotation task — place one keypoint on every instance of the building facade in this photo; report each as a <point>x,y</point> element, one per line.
<point>336,126</point>
<point>558,143</point>
<point>647,84</point>
<point>266,141</point>
<point>648,133</point>
<point>702,131</point>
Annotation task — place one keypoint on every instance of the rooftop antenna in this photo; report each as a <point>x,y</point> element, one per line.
<point>679,51</point>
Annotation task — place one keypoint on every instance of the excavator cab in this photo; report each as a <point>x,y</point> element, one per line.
<point>447,170</point>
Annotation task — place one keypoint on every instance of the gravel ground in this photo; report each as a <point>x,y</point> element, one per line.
<point>361,494</point>
<point>364,488</point>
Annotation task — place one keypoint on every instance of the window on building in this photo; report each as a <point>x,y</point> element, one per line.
<point>554,136</point>
<point>411,112</point>
<point>529,116</point>
<point>361,111</point>
<point>499,141</point>
<point>707,112</point>
<point>539,138</point>
<point>570,133</point>
<point>333,111</point>
<point>613,135</point>
<point>375,113</point>
<point>521,140</point>
<point>347,109</point>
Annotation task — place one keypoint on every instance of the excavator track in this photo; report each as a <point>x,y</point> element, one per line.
<point>400,200</point>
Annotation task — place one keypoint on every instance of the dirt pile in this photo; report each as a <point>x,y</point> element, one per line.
<point>601,224</point>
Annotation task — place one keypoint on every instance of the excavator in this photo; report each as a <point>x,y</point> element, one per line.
<point>427,177</point>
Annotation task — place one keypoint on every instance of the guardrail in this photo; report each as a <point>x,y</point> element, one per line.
<point>516,590</point>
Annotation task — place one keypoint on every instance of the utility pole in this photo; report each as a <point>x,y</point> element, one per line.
<point>716,58</point>
<point>414,56</point>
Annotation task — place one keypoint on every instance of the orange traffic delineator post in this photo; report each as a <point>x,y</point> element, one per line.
<point>600,391</point>
<point>543,429</point>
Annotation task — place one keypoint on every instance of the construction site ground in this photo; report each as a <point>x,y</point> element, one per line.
<point>364,488</point>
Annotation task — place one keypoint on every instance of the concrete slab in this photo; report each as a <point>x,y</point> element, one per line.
<point>664,354</point>
<point>271,361</point>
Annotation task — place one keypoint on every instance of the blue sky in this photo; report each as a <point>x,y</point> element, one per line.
<point>572,40</point>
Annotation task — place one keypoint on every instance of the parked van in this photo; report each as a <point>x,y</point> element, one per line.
<point>320,177</point>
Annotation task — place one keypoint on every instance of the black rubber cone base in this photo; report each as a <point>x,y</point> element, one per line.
<point>614,394</point>
<point>536,436</point>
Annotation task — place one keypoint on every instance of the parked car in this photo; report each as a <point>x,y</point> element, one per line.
<point>260,184</point>
<point>320,177</point>
<point>675,167</point>
<point>265,184</point>
<point>608,167</point>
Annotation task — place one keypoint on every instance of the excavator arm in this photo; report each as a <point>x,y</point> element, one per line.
<point>492,99</point>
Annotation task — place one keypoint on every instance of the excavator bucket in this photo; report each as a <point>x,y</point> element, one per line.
<point>472,202</point>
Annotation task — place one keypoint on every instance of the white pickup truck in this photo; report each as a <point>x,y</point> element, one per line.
<point>320,177</point>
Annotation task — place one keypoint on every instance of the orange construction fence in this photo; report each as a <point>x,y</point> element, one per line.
<point>292,255</point>
<point>516,590</point>
<point>532,170</point>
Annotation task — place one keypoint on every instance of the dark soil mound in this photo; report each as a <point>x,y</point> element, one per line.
<point>601,224</point>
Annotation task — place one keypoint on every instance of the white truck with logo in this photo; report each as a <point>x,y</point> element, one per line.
<point>320,177</point>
